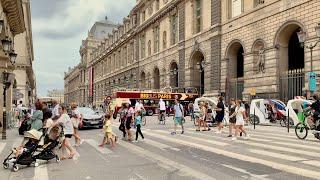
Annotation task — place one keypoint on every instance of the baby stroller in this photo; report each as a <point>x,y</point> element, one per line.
<point>32,150</point>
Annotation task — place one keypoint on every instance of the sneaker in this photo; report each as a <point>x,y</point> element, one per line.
<point>229,136</point>
<point>218,132</point>
<point>173,133</point>
<point>182,132</point>
<point>81,142</point>
<point>234,138</point>
<point>135,141</point>
<point>246,137</point>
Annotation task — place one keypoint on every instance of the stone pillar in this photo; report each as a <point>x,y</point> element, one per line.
<point>1,100</point>
<point>9,98</point>
<point>182,56</point>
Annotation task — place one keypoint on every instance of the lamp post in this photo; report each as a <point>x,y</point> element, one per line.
<point>200,66</point>
<point>302,38</point>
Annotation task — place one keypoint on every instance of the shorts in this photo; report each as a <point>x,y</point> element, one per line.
<point>68,135</point>
<point>162,111</point>
<point>109,135</point>
<point>219,118</point>
<point>178,120</point>
<point>128,123</point>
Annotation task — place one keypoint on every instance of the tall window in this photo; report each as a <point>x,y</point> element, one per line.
<point>197,16</point>
<point>174,29</point>
<point>143,46</point>
<point>235,7</point>
<point>149,48</point>
<point>157,5</point>
<point>125,56</point>
<point>156,37</point>
<point>164,39</point>
<point>143,16</point>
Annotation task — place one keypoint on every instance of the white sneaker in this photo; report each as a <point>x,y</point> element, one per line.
<point>81,141</point>
<point>218,132</point>
<point>246,137</point>
<point>234,138</point>
<point>135,141</point>
<point>142,140</point>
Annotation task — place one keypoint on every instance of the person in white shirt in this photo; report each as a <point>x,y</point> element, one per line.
<point>55,110</point>
<point>138,106</point>
<point>162,108</point>
<point>65,120</point>
<point>239,114</point>
<point>76,119</point>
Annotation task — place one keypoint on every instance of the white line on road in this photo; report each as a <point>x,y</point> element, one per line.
<point>260,177</point>
<point>41,173</point>
<point>276,165</point>
<point>157,144</point>
<point>166,163</point>
<point>276,155</point>
<point>95,145</point>
<point>2,145</point>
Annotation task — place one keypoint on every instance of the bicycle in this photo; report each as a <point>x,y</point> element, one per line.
<point>302,128</point>
<point>143,118</point>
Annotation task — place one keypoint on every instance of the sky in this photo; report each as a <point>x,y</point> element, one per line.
<point>59,26</point>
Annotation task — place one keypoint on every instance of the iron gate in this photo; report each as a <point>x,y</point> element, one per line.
<point>292,84</point>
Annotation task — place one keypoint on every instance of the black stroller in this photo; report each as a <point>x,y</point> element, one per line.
<point>31,151</point>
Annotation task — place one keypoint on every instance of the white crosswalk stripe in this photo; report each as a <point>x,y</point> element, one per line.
<point>2,145</point>
<point>95,145</point>
<point>264,149</point>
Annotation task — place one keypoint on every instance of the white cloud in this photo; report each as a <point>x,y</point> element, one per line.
<point>57,37</point>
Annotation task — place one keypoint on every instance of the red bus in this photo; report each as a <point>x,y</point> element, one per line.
<point>151,99</point>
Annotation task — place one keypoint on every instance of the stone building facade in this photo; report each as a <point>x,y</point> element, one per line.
<point>231,47</point>
<point>12,24</point>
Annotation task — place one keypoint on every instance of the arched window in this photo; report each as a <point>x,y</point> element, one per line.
<point>197,16</point>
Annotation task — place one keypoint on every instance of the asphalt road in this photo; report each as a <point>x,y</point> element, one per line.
<point>270,153</point>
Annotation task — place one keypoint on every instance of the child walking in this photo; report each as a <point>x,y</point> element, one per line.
<point>138,125</point>
<point>108,134</point>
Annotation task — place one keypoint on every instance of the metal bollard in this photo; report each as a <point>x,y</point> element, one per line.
<point>4,126</point>
<point>288,125</point>
<point>254,118</point>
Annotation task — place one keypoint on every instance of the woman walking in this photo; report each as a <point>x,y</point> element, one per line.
<point>123,114</point>
<point>36,120</point>
<point>138,121</point>
<point>239,114</point>
<point>68,132</point>
<point>129,120</point>
<point>202,115</point>
<point>76,119</point>
<point>232,120</point>
<point>220,114</point>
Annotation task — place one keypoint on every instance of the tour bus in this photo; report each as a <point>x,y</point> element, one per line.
<point>151,99</point>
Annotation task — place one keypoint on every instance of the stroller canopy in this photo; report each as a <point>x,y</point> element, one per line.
<point>33,134</point>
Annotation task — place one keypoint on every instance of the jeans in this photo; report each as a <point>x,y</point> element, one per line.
<point>139,132</point>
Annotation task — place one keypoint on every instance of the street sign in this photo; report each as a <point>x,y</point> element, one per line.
<point>312,81</point>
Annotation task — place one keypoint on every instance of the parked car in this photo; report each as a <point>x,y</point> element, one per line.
<point>90,118</point>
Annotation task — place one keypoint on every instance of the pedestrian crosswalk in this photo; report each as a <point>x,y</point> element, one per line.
<point>280,151</point>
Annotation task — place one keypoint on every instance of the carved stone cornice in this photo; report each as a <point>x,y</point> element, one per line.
<point>14,12</point>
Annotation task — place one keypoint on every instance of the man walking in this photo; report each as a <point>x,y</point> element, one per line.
<point>178,117</point>
<point>55,110</point>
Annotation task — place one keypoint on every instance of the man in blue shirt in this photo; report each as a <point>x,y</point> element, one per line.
<point>178,116</point>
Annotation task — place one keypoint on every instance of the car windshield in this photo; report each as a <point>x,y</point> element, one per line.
<point>86,111</point>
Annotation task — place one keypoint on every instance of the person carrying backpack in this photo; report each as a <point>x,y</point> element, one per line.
<point>178,117</point>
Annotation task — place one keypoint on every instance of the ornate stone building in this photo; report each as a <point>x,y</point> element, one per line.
<point>230,47</point>
<point>12,23</point>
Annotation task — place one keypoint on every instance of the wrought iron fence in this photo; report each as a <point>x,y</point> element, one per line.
<point>291,84</point>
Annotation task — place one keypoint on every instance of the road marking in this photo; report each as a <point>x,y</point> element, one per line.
<point>286,139</point>
<point>197,139</point>
<point>95,145</point>
<point>166,163</point>
<point>312,163</point>
<point>275,165</point>
<point>276,155</point>
<point>2,145</point>
<point>261,177</point>
<point>41,173</point>
<point>158,144</point>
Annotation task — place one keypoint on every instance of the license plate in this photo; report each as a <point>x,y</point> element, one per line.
<point>94,123</point>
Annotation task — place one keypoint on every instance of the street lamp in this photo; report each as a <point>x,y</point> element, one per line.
<point>6,44</point>
<point>200,66</point>
<point>1,25</point>
<point>13,56</point>
<point>302,38</point>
